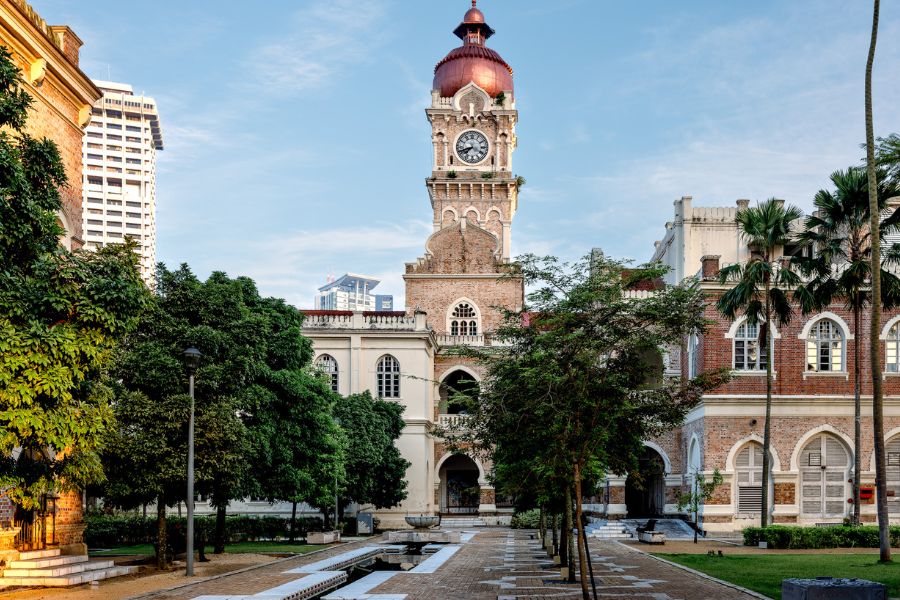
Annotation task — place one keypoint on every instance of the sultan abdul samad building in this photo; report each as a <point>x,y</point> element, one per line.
<point>452,291</point>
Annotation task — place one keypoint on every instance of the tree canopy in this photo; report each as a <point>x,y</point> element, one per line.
<point>61,315</point>
<point>580,385</point>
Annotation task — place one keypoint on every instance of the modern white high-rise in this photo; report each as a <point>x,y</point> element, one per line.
<point>353,292</point>
<point>120,149</point>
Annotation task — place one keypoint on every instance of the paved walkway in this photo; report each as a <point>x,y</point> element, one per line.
<point>496,564</point>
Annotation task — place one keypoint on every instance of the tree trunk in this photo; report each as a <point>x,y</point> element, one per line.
<point>293,521</point>
<point>579,525</point>
<point>857,406</point>
<point>767,424</point>
<point>570,540</point>
<point>219,546</point>
<point>553,523</point>
<point>162,545</point>
<point>563,548</point>
<point>542,526</point>
<point>875,332</point>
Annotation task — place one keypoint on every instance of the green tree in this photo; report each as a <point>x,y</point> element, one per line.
<point>375,471</point>
<point>251,387</point>
<point>298,449</point>
<point>701,492</point>
<point>61,315</point>
<point>573,378</point>
<point>760,292</point>
<point>875,332</point>
<point>887,157</point>
<point>840,268</point>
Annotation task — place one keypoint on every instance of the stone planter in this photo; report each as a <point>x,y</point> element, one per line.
<point>318,538</point>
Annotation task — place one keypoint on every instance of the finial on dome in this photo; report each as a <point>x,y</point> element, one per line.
<point>474,3</point>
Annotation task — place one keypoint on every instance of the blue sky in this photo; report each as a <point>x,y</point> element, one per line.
<point>297,144</point>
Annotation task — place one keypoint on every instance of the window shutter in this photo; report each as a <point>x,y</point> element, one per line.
<point>750,498</point>
<point>893,475</point>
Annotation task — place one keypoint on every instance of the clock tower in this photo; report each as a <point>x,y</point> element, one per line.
<point>460,281</point>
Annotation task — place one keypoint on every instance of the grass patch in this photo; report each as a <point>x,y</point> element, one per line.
<point>763,573</point>
<point>236,548</point>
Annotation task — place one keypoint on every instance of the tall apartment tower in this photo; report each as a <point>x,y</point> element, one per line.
<point>120,149</point>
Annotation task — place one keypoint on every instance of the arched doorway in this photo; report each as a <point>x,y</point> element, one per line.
<point>645,488</point>
<point>460,491</point>
<point>457,391</point>
<point>824,470</point>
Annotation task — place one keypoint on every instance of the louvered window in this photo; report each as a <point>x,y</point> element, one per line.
<point>893,476</point>
<point>892,350</point>
<point>748,465</point>
<point>824,470</point>
<point>747,354</point>
<point>825,347</point>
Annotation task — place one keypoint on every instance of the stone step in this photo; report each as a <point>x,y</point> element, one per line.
<point>50,561</point>
<point>68,580</point>
<point>69,569</point>
<point>38,554</point>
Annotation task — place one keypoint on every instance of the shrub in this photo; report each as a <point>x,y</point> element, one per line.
<point>813,538</point>
<point>529,519</point>
<point>104,531</point>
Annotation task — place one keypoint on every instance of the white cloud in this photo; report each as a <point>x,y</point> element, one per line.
<point>776,113</point>
<point>298,264</point>
<point>324,38</point>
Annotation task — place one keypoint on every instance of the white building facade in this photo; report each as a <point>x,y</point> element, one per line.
<point>120,147</point>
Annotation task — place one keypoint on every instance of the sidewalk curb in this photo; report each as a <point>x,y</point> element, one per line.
<point>697,573</point>
<point>149,595</point>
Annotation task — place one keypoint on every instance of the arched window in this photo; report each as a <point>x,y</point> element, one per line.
<point>748,467</point>
<point>825,347</point>
<point>748,356</point>
<point>464,320</point>
<point>892,350</point>
<point>328,365</point>
<point>388,373</point>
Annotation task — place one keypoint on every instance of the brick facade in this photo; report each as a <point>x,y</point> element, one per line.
<point>806,406</point>
<point>62,94</point>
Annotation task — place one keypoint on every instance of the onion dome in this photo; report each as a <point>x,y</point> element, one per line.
<point>473,62</point>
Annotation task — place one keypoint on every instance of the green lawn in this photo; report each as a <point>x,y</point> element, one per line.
<point>763,574</point>
<point>237,548</point>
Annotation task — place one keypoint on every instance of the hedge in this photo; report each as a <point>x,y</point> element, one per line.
<point>813,538</point>
<point>103,531</point>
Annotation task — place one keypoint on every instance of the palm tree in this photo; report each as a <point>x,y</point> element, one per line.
<point>875,343</point>
<point>761,294</point>
<point>841,267</point>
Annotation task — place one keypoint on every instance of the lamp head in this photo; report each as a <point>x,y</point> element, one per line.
<point>192,359</point>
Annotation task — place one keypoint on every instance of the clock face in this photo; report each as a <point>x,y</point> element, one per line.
<point>472,147</point>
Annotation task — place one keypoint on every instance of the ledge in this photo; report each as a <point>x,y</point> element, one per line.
<point>826,374</point>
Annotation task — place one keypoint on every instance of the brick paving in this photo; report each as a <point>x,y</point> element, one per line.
<point>496,564</point>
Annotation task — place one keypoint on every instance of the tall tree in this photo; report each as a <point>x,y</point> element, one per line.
<point>760,292</point>
<point>375,471</point>
<point>575,374</point>
<point>875,332</point>
<point>61,316</point>
<point>840,268</point>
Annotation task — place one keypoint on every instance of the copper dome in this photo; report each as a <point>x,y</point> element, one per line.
<point>473,16</point>
<point>473,62</point>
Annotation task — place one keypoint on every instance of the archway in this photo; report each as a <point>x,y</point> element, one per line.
<point>458,390</point>
<point>645,488</point>
<point>460,491</point>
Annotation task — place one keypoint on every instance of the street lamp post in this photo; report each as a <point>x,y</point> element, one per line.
<point>191,362</point>
<point>337,509</point>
